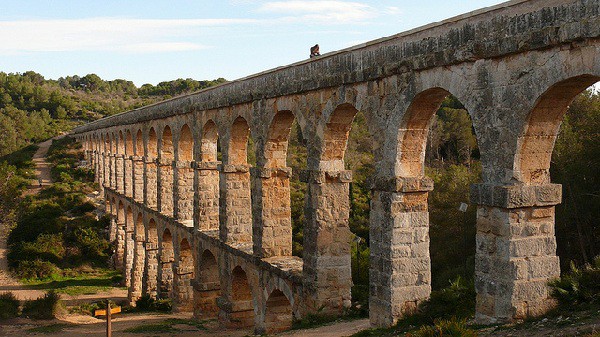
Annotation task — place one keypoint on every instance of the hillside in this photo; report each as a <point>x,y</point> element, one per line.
<point>33,108</point>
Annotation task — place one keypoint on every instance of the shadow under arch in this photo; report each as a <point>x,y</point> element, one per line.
<point>186,144</point>
<point>128,143</point>
<point>208,288</point>
<point>150,271</point>
<point>278,313</point>
<point>152,144</point>
<point>128,164</point>
<point>129,245</point>
<point>413,132</point>
<point>139,143</point>
<point>166,172</point>
<point>151,172</point>
<point>237,151</point>
<point>137,274</point>
<point>207,215</point>
<point>536,142</point>
<point>209,142</point>
<point>242,313</point>
<point>167,256</point>
<point>184,274</point>
<point>335,137</point>
<point>276,146</point>
<point>235,204</point>
<point>272,225</point>
<point>184,184</point>
<point>167,149</point>
<point>121,143</point>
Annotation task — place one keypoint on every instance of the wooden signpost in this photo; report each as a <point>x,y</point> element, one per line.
<point>108,313</point>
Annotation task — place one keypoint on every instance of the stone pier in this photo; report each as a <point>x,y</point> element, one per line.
<point>516,67</point>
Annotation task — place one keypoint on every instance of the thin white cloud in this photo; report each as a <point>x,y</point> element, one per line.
<point>129,35</point>
<point>150,47</point>
<point>328,11</point>
<point>392,10</point>
<point>101,34</point>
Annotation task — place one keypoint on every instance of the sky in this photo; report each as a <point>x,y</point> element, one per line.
<point>151,41</point>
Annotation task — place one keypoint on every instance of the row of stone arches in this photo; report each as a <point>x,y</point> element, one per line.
<point>518,166</point>
<point>163,265</point>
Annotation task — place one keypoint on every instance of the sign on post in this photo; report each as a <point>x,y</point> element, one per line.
<point>108,312</point>
<point>102,312</point>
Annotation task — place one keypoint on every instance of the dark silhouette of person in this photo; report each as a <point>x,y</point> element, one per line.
<point>314,51</point>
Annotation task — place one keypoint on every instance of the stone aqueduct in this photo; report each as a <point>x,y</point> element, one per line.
<point>216,236</point>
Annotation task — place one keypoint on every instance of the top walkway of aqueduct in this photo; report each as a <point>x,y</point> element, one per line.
<point>499,30</point>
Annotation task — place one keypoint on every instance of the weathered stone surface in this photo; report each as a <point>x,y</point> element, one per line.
<point>515,67</point>
<point>516,196</point>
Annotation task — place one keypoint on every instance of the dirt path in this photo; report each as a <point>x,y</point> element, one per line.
<point>340,329</point>
<point>89,326</point>
<point>93,327</point>
<point>42,168</point>
<point>42,172</point>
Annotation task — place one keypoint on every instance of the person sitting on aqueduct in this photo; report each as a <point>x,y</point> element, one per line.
<point>314,51</point>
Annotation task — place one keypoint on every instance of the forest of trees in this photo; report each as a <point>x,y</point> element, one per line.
<point>33,108</point>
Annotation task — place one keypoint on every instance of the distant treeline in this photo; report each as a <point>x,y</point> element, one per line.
<point>33,108</point>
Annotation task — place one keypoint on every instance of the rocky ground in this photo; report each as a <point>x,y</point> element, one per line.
<point>585,323</point>
<point>576,323</point>
<point>153,324</point>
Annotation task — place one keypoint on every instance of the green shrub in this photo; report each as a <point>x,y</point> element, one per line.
<point>36,269</point>
<point>144,303</point>
<point>64,176</point>
<point>314,320</point>
<point>147,303</point>
<point>152,328</point>
<point>360,296</point>
<point>580,285</point>
<point>22,158</point>
<point>88,308</point>
<point>47,247</point>
<point>163,304</point>
<point>9,306</point>
<point>92,245</point>
<point>83,208</point>
<point>445,328</point>
<point>45,307</point>
<point>39,217</point>
<point>456,300</point>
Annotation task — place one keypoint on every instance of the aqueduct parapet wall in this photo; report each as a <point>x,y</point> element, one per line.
<point>214,233</point>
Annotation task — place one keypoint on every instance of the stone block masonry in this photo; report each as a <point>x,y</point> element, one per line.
<point>516,67</point>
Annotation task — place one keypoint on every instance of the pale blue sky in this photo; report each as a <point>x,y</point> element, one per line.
<point>151,41</point>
